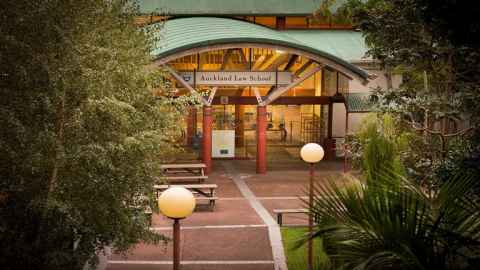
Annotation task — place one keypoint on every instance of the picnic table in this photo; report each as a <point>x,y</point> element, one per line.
<point>187,172</point>
<point>202,192</point>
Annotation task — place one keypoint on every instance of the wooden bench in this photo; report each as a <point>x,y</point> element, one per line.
<point>202,192</point>
<point>184,178</point>
<point>280,212</point>
<point>184,172</point>
<point>211,201</point>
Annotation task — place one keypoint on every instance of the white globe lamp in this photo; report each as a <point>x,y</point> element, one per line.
<point>176,203</point>
<point>312,153</point>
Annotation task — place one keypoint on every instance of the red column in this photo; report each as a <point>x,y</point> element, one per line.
<point>207,138</point>
<point>261,139</point>
<point>191,125</point>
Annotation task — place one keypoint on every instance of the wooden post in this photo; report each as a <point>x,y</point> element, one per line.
<point>176,244</point>
<point>310,217</point>
<point>330,120</point>
<point>345,147</point>
<point>261,139</point>
<point>207,138</point>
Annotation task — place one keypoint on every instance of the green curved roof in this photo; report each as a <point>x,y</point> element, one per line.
<point>345,44</point>
<point>182,34</point>
<point>233,7</point>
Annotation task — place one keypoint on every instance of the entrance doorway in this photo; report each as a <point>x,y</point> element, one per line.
<point>289,127</point>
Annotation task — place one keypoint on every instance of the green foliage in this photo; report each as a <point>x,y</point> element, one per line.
<point>380,143</point>
<point>426,217</point>
<point>390,221</point>
<point>82,134</point>
<point>394,224</point>
<point>296,250</point>
<point>439,63</point>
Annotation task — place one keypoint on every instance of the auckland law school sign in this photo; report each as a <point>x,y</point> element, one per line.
<point>237,77</point>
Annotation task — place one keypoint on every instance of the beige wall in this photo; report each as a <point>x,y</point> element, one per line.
<point>381,80</point>
<point>355,119</point>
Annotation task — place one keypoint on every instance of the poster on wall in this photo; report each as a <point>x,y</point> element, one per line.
<point>223,143</point>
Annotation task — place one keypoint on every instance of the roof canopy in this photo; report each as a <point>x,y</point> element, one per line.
<point>232,7</point>
<point>358,102</point>
<point>344,44</point>
<point>185,36</point>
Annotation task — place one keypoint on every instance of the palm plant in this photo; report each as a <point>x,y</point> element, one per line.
<point>390,222</point>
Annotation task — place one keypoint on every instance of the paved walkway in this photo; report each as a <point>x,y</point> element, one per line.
<point>274,233</point>
<point>241,233</point>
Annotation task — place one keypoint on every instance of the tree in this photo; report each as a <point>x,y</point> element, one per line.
<point>82,133</point>
<point>396,221</point>
<point>438,97</point>
<point>454,20</point>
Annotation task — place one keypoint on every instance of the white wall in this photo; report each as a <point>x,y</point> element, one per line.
<point>338,125</point>
<point>355,119</point>
<point>339,117</point>
<point>381,80</point>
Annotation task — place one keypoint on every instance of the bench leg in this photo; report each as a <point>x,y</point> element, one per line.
<point>316,219</point>
<point>212,205</point>
<point>149,217</point>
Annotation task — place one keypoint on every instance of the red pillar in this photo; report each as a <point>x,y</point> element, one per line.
<point>191,125</point>
<point>261,139</point>
<point>207,138</point>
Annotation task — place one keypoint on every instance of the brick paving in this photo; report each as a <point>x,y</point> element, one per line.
<point>257,266</point>
<point>229,244</point>
<point>233,236</point>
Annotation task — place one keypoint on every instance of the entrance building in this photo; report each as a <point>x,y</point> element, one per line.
<point>268,82</point>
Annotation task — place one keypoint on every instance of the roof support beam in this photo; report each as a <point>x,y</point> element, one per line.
<point>185,84</point>
<point>278,92</point>
<point>244,58</point>
<point>212,95</point>
<point>303,68</point>
<point>290,63</point>
<point>257,95</point>
<point>226,57</point>
<point>261,61</point>
<point>274,61</point>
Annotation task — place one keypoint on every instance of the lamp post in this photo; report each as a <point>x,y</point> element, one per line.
<point>311,153</point>
<point>176,203</point>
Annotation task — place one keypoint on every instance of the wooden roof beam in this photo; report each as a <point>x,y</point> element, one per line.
<point>185,84</point>
<point>291,62</point>
<point>304,67</point>
<point>261,61</point>
<point>275,63</point>
<point>225,59</point>
<point>278,92</point>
